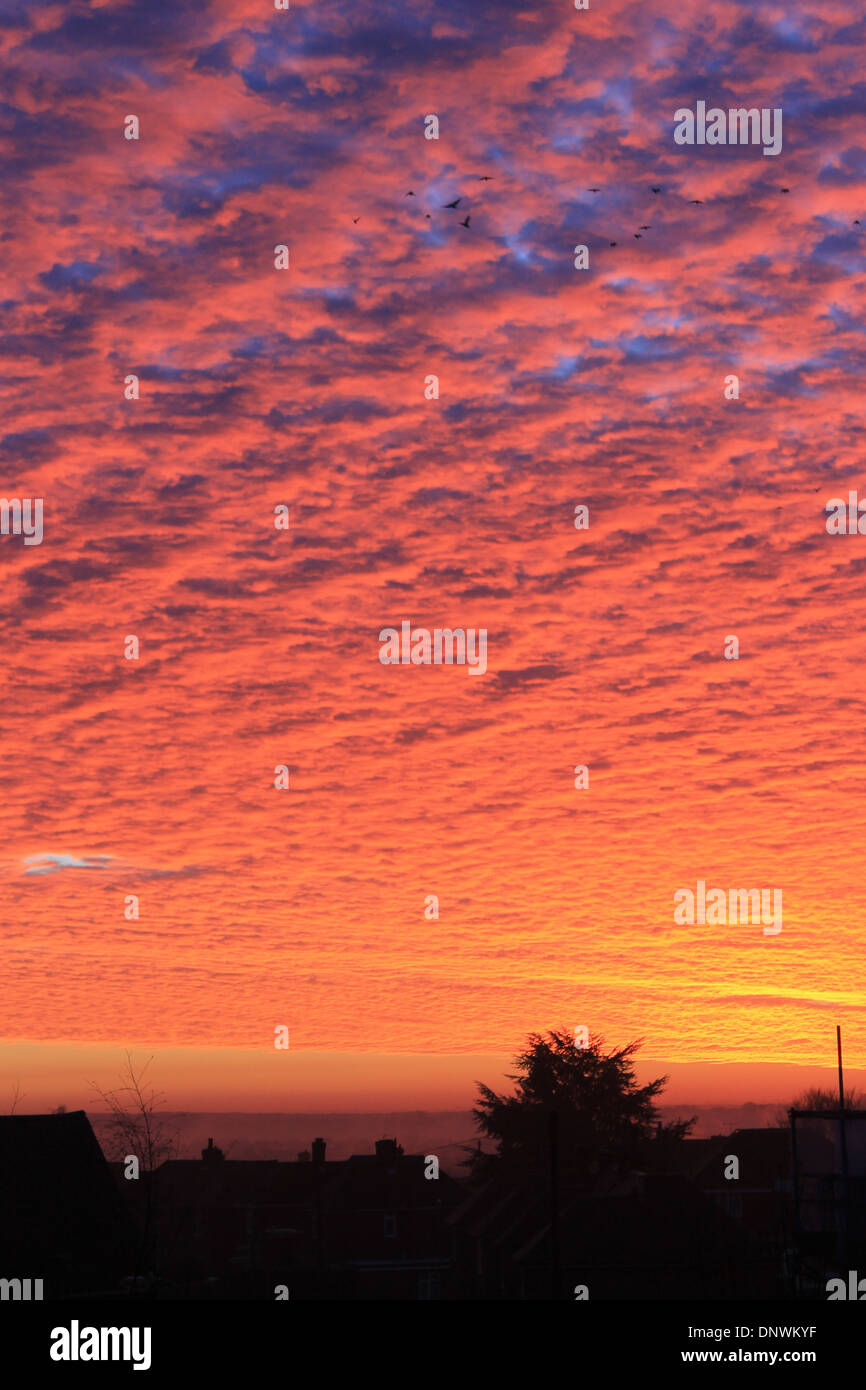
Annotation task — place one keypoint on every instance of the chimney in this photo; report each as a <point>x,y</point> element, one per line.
<point>387,1150</point>
<point>212,1154</point>
<point>318,1150</point>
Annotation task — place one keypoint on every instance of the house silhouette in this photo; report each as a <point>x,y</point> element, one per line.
<point>61,1216</point>
<point>370,1226</point>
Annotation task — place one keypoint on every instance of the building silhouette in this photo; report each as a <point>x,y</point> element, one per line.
<point>61,1217</point>
<point>380,1226</point>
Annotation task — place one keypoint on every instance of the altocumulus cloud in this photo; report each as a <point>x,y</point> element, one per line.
<point>55,863</point>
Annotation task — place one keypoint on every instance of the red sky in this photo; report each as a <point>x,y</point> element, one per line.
<point>259,647</point>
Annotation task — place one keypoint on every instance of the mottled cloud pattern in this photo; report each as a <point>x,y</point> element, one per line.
<point>306,387</point>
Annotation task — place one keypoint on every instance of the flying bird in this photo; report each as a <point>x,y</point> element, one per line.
<point>856,222</point>
<point>465,222</point>
<point>656,190</point>
<point>612,243</point>
<point>356,219</point>
<point>410,194</point>
<point>696,201</point>
<point>647,227</point>
<point>784,190</point>
<point>593,190</point>
<point>485,178</point>
<point>426,214</point>
<point>637,236</point>
<point>451,205</point>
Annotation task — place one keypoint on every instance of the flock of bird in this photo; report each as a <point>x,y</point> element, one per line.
<point>644,227</point>
<point>695,202</point>
<point>465,223</point>
<point>482,178</point>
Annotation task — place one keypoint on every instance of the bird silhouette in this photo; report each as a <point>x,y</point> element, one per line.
<point>784,190</point>
<point>856,222</point>
<point>356,219</point>
<point>696,201</point>
<point>410,194</point>
<point>485,178</point>
<point>451,205</point>
<point>637,236</point>
<point>465,222</point>
<point>426,214</point>
<point>592,190</point>
<point>612,243</point>
<point>647,227</point>
<point>656,190</point>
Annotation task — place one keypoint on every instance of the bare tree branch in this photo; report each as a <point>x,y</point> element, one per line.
<point>134,1125</point>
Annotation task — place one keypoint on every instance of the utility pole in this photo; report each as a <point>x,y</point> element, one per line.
<point>843,1149</point>
<point>797,1233</point>
<point>553,1136</point>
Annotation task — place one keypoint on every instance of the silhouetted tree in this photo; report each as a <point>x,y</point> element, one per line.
<point>134,1125</point>
<point>817,1098</point>
<point>603,1117</point>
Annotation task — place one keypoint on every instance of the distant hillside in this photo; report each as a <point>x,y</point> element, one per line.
<point>721,1119</point>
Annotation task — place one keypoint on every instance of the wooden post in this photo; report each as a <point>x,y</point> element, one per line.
<point>843,1149</point>
<point>555,1277</point>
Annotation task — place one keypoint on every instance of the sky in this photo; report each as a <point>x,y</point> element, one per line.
<point>258,647</point>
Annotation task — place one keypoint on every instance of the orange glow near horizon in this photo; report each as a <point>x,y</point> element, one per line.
<point>235,1079</point>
